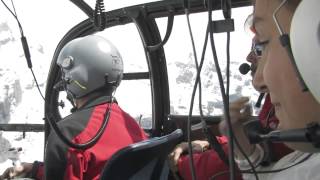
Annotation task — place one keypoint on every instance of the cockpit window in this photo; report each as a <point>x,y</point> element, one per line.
<point>182,68</point>
<point>44,24</point>
<point>21,103</point>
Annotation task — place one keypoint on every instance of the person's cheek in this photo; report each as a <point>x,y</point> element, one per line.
<point>270,68</point>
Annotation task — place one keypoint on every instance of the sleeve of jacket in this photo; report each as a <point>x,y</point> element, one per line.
<point>37,171</point>
<point>207,164</point>
<point>55,158</point>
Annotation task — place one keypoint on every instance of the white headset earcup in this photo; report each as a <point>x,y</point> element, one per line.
<point>305,43</point>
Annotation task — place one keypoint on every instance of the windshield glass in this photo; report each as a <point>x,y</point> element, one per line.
<point>46,22</point>
<point>20,101</point>
<point>182,68</point>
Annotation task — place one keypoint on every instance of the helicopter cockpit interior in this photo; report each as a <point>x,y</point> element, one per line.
<point>165,46</point>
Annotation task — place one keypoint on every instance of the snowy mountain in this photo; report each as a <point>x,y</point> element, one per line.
<point>212,102</point>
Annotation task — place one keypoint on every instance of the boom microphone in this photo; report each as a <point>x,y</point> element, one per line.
<point>293,135</point>
<point>310,134</point>
<point>244,68</point>
<point>260,98</point>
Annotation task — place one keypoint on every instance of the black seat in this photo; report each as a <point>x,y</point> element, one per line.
<point>145,160</point>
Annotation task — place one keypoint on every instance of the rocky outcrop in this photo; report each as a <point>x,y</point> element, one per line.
<point>11,96</point>
<point>5,34</point>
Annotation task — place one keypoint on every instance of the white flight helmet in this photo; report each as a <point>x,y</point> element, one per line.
<point>305,43</point>
<point>90,64</point>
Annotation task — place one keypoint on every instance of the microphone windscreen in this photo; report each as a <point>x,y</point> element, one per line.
<point>244,68</point>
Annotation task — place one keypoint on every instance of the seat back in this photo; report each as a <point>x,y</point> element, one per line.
<point>145,160</point>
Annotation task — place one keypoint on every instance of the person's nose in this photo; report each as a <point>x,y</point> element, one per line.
<point>258,79</point>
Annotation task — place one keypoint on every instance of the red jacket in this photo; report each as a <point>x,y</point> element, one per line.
<point>269,120</point>
<point>63,162</point>
<point>208,163</point>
